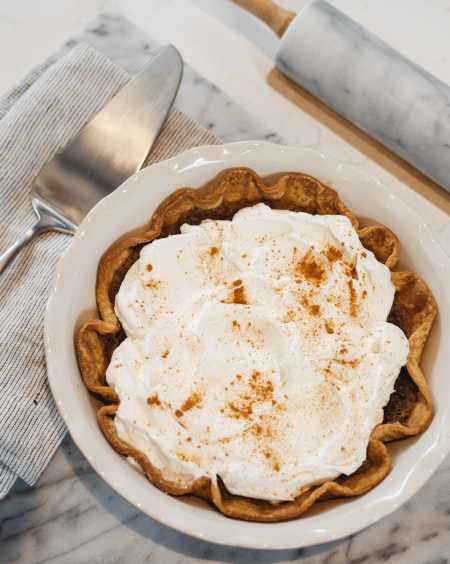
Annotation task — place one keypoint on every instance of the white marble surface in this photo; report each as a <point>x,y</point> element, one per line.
<point>71,516</point>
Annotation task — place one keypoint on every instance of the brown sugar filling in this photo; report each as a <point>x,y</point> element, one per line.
<point>402,400</point>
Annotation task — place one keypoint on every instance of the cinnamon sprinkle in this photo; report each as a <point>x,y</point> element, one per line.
<point>242,411</point>
<point>263,389</point>
<point>153,400</point>
<point>351,269</point>
<point>192,401</point>
<point>259,390</point>
<point>310,269</point>
<point>333,254</point>
<point>289,316</point>
<point>238,295</point>
<point>313,309</point>
<point>153,284</point>
<point>352,363</point>
<point>236,325</point>
<point>352,299</point>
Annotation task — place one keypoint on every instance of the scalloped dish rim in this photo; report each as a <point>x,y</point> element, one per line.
<point>73,290</point>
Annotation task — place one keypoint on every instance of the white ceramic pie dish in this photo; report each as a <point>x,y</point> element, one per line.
<point>72,300</point>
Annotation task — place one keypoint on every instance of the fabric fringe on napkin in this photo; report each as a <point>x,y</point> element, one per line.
<point>37,118</point>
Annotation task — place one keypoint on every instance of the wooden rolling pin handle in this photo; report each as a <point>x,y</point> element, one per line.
<point>276,17</point>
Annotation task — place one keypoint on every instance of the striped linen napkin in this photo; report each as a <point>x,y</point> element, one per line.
<point>38,117</point>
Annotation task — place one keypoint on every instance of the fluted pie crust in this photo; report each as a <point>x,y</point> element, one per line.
<point>410,408</point>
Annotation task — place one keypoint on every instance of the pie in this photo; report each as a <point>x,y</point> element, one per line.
<point>256,347</point>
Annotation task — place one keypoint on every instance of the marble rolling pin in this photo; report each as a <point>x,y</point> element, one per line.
<point>351,70</point>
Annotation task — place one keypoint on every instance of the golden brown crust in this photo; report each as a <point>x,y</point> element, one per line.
<point>414,311</point>
<point>105,417</point>
<point>410,409</point>
<point>376,467</point>
<point>382,242</point>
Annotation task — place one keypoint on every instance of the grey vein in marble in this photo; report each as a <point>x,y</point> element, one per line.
<point>372,85</point>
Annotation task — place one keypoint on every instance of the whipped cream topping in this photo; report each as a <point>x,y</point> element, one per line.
<point>257,350</point>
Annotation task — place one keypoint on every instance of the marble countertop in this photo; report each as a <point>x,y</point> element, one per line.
<point>71,515</point>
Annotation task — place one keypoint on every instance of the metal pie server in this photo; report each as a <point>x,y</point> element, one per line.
<point>109,149</point>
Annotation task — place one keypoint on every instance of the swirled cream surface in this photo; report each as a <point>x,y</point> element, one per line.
<point>257,350</point>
